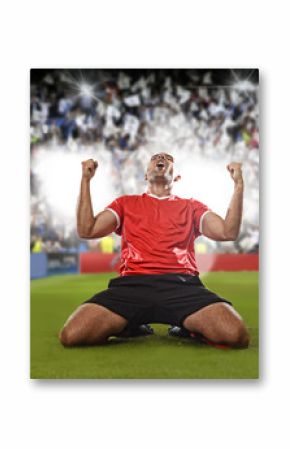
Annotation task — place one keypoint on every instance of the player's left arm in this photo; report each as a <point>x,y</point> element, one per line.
<point>217,228</point>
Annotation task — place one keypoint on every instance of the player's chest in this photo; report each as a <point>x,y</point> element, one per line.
<point>160,214</point>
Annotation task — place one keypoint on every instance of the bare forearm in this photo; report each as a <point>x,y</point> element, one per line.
<point>222,230</point>
<point>233,218</point>
<point>85,215</point>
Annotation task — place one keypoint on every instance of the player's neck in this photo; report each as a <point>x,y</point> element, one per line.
<point>159,190</point>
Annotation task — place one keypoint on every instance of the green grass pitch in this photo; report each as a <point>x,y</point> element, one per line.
<point>155,357</point>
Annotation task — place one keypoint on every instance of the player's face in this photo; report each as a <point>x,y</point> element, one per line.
<point>160,165</point>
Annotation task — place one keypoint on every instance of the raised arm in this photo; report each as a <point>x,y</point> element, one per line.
<point>217,228</point>
<point>88,225</point>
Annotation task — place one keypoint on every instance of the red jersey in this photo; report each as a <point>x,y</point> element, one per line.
<point>157,233</point>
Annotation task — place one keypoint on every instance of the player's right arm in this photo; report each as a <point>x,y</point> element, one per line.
<point>88,225</point>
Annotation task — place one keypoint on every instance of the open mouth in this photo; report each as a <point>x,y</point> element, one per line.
<point>160,164</point>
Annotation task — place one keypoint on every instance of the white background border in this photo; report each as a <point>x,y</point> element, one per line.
<point>144,414</point>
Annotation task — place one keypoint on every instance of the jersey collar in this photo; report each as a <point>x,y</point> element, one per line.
<point>158,197</point>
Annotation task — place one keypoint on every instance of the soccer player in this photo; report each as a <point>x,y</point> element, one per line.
<point>158,280</point>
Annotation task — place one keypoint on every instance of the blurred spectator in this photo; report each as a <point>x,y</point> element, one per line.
<point>37,245</point>
<point>107,245</point>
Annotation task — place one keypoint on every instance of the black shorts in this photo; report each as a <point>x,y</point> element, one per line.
<point>155,298</point>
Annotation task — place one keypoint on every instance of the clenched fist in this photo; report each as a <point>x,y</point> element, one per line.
<point>89,168</point>
<point>235,170</point>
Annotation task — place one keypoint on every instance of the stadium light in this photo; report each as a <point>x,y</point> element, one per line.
<point>80,86</point>
<point>245,86</point>
<point>86,90</point>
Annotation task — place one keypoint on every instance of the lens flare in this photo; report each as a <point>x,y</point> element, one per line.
<point>86,90</point>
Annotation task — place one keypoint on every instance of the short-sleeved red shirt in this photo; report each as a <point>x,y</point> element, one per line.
<point>157,233</point>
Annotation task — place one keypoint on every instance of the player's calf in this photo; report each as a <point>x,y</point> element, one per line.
<point>234,340</point>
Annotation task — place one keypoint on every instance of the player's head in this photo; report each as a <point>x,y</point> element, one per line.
<point>161,168</point>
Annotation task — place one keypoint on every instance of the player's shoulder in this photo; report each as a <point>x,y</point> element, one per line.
<point>128,198</point>
<point>198,206</point>
<point>178,198</point>
<point>182,199</point>
<point>191,202</point>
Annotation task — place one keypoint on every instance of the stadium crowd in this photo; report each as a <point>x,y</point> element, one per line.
<point>125,114</point>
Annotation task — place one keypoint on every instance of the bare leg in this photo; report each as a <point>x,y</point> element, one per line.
<point>219,323</point>
<point>91,324</point>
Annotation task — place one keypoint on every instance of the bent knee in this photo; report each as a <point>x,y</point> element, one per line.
<point>239,336</point>
<point>69,337</point>
<point>66,337</point>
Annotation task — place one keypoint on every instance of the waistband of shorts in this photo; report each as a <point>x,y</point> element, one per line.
<point>148,278</point>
